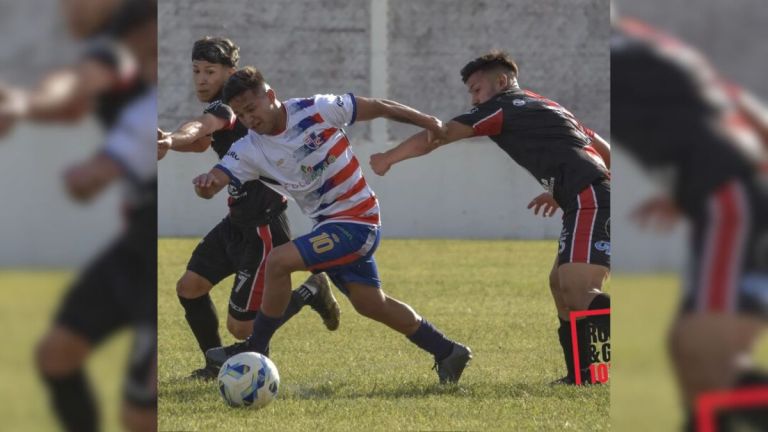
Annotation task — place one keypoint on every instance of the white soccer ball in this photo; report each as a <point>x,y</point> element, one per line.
<point>248,379</point>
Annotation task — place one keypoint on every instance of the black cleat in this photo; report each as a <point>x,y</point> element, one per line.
<point>323,302</point>
<point>206,373</point>
<point>215,357</point>
<point>449,369</point>
<point>566,380</point>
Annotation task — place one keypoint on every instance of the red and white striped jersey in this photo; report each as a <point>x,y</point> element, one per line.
<point>311,159</point>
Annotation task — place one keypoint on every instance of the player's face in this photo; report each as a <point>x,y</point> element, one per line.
<point>482,86</point>
<point>209,79</point>
<point>256,111</point>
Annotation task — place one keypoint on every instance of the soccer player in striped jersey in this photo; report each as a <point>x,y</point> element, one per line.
<point>571,163</point>
<point>256,223</point>
<point>301,144</point>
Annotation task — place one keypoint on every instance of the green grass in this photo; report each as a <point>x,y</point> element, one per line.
<point>491,295</point>
<point>26,308</point>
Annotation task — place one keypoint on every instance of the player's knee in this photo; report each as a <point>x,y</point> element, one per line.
<point>191,286</point>
<point>54,359</point>
<point>240,329</point>
<point>278,260</point>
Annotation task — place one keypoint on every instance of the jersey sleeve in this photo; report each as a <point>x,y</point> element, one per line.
<point>237,163</point>
<point>337,110</point>
<point>222,111</point>
<point>485,119</point>
<point>132,142</point>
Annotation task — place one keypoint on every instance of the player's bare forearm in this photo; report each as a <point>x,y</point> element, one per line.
<point>59,97</point>
<point>603,148</point>
<point>191,136</point>
<point>208,185</point>
<point>415,146</point>
<point>370,108</point>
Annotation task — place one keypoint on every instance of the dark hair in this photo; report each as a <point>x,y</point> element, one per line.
<point>493,60</point>
<point>247,78</point>
<point>216,50</point>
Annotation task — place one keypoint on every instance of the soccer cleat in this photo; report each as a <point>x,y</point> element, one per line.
<point>449,369</point>
<point>206,373</point>
<point>566,380</point>
<point>215,357</point>
<point>323,301</point>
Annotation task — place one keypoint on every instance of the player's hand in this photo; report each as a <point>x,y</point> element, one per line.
<point>545,201</point>
<point>436,132</point>
<point>13,106</point>
<point>205,181</point>
<point>659,212</point>
<point>163,145</point>
<point>380,164</point>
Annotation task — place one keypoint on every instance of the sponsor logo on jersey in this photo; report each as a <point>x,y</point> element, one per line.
<point>548,184</point>
<point>233,155</point>
<point>473,110</point>
<point>311,173</point>
<point>563,239</point>
<point>603,246</point>
<point>518,102</point>
<point>339,101</point>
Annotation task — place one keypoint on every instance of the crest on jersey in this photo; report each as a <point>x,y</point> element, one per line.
<point>312,141</point>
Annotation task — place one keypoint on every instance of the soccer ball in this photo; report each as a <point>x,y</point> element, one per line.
<point>248,379</point>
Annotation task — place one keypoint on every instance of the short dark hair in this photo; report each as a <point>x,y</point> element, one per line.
<point>217,50</point>
<point>493,60</point>
<point>247,78</point>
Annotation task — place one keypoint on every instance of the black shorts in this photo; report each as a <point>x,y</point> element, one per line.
<point>119,290</point>
<point>586,234</point>
<point>229,249</point>
<point>728,271</point>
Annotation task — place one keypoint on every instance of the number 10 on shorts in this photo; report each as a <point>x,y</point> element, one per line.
<point>321,243</point>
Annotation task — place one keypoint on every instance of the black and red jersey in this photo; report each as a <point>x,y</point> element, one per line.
<point>672,111</point>
<point>541,136</point>
<point>252,203</point>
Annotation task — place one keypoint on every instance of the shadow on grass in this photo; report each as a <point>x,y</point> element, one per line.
<point>477,390</point>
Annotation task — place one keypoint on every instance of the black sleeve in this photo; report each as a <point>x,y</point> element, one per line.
<point>222,111</point>
<point>485,119</point>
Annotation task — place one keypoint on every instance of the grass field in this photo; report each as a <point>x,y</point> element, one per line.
<point>491,295</point>
<point>28,302</point>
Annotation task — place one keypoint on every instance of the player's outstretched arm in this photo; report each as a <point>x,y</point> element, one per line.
<point>208,185</point>
<point>192,136</point>
<point>418,145</point>
<point>371,108</point>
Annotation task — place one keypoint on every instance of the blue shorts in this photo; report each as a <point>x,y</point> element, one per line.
<point>344,251</point>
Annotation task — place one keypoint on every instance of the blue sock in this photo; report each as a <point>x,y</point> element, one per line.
<point>263,329</point>
<point>430,339</point>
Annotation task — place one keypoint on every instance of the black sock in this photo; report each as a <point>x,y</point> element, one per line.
<point>566,343</point>
<point>602,322</point>
<point>584,343</point>
<point>263,329</point>
<point>73,402</point>
<point>201,317</point>
<point>430,339</point>
<point>298,300</point>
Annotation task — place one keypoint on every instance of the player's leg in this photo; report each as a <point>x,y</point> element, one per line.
<point>61,355</point>
<point>248,289</point>
<point>209,264</point>
<point>139,410</point>
<point>564,330</point>
<point>712,352</point>
<point>583,266</point>
<point>370,301</point>
<point>88,314</point>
